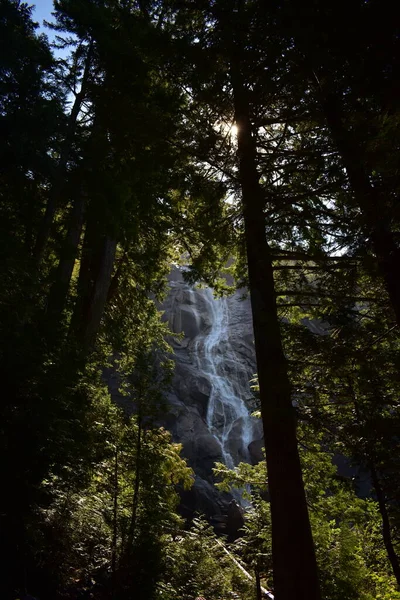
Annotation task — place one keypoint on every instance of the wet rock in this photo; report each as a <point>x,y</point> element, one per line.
<point>207,404</point>
<point>256,451</point>
<point>214,363</point>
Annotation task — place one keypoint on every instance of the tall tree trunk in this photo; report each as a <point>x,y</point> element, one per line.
<point>95,309</point>
<point>58,181</point>
<point>59,290</point>
<point>95,275</point>
<point>386,529</point>
<point>294,562</point>
<point>87,269</point>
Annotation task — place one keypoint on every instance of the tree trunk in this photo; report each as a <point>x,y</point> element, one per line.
<point>95,274</point>
<point>59,290</point>
<point>58,182</point>
<point>112,292</point>
<point>94,309</point>
<point>87,269</point>
<point>136,489</point>
<point>294,562</point>
<point>258,585</point>
<point>368,200</point>
<point>127,574</point>
<point>115,529</point>
<point>386,529</point>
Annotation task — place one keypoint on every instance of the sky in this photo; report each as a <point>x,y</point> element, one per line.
<point>42,10</point>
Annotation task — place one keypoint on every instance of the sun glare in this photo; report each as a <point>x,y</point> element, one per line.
<point>228,130</point>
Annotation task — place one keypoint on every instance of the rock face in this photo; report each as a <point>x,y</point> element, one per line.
<point>208,402</point>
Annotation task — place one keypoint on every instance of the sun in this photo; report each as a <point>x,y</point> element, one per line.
<point>228,130</point>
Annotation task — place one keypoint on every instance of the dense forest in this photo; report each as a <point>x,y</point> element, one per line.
<point>258,142</point>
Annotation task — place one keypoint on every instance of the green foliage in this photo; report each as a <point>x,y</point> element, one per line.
<point>119,160</point>
<point>346,529</point>
<point>74,535</point>
<point>197,566</point>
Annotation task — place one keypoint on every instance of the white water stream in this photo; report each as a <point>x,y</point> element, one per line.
<point>216,359</point>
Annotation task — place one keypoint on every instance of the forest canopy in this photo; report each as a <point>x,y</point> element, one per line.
<point>256,140</point>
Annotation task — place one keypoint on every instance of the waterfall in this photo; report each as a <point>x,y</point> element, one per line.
<point>216,359</point>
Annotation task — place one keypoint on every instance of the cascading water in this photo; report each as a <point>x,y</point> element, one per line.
<point>217,360</point>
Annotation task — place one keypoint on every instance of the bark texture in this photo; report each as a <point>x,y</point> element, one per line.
<point>294,562</point>
<point>95,275</point>
<point>59,290</point>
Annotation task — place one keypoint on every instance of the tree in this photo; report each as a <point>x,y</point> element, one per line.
<point>219,38</point>
<point>350,553</point>
<point>197,566</point>
<point>359,412</point>
<point>80,539</point>
<point>352,101</point>
<point>118,160</point>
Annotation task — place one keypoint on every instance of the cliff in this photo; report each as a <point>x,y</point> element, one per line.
<point>209,400</point>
